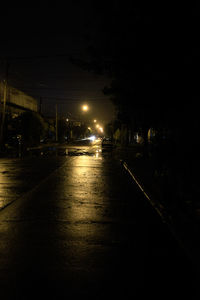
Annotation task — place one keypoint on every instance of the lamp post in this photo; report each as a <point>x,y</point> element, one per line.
<point>84,109</point>
<point>56,122</point>
<point>5,88</point>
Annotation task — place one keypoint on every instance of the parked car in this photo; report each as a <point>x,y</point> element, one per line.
<point>107,143</point>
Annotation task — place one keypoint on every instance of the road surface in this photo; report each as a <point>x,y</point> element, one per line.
<point>77,225</point>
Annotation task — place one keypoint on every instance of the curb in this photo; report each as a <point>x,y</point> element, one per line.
<point>26,194</point>
<point>158,207</point>
<point>161,211</point>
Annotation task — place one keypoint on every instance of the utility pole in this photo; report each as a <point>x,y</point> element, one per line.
<point>56,122</point>
<point>5,87</point>
<point>40,105</point>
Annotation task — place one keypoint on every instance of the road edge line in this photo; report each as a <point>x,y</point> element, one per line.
<point>28,193</point>
<point>165,219</point>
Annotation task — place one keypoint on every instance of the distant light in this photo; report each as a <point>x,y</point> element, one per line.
<point>89,128</point>
<point>85,107</point>
<point>92,138</point>
<point>97,126</point>
<point>95,121</point>
<point>67,120</point>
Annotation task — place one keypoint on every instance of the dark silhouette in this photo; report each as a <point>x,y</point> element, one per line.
<point>151,54</point>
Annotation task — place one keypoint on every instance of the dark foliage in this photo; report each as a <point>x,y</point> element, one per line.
<point>150,53</point>
<point>31,126</point>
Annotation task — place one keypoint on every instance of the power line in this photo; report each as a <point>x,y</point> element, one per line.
<point>3,58</point>
<point>72,100</point>
<point>57,89</point>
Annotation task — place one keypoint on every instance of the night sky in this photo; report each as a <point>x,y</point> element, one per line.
<point>39,41</point>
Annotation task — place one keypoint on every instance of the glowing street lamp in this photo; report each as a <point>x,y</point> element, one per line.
<point>85,107</point>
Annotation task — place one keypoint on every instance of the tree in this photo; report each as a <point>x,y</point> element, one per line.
<point>151,61</point>
<point>127,43</point>
<point>151,53</point>
<point>62,130</point>
<point>32,128</point>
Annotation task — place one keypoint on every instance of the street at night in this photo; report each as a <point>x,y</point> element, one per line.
<point>99,150</point>
<point>78,225</point>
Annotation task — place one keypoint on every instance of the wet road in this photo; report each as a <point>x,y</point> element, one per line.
<point>78,226</point>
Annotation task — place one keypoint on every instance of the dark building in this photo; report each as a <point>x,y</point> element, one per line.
<point>17,101</point>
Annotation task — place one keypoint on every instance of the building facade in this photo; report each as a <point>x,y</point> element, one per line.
<point>16,101</point>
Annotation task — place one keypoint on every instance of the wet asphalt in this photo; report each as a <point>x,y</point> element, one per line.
<point>77,225</point>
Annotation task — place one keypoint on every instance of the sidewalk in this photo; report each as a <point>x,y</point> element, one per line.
<point>183,223</point>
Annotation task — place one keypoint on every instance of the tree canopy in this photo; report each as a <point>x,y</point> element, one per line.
<point>149,53</point>
<point>31,126</point>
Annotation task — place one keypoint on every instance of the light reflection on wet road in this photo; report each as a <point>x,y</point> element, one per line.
<point>81,231</point>
<point>14,171</point>
<point>19,176</point>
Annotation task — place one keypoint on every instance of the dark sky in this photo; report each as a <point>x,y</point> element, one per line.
<point>38,41</point>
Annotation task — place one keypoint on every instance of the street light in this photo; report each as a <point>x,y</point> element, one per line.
<point>85,107</point>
